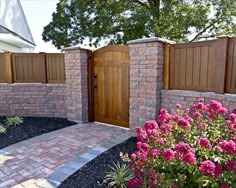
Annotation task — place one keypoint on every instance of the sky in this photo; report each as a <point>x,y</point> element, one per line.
<point>38,14</point>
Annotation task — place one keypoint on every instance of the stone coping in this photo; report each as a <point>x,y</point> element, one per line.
<point>147,40</point>
<point>75,48</point>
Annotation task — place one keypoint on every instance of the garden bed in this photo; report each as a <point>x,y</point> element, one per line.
<point>92,174</point>
<point>31,127</point>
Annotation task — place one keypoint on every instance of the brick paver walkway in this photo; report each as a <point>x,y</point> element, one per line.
<point>26,163</point>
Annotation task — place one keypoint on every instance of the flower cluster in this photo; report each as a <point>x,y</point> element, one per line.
<point>191,148</point>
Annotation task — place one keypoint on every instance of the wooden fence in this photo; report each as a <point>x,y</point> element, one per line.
<point>201,66</point>
<point>32,68</point>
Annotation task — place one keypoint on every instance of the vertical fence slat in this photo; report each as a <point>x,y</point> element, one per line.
<point>231,67</point>
<point>172,66</point>
<point>221,48</point>
<point>8,67</point>
<point>166,66</point>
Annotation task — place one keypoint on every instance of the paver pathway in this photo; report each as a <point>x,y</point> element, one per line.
<point>29,163</point>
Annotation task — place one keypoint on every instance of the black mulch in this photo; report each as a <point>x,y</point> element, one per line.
<point>31,127</point>
<point>92,174</point>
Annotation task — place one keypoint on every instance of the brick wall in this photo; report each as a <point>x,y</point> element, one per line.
<point>76,84</point>
<point>186,98</point>
<point>38,100</point>
<point>146,66</point>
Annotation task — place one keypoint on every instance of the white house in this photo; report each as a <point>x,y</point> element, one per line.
<point>15,34</point>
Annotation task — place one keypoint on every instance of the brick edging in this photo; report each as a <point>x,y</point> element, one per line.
<point>66,170</point>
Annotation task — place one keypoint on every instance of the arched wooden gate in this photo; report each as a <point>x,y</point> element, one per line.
<point>111,85</point>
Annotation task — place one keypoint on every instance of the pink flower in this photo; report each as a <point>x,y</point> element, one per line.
<point>190,120</point>
<point>214,105</point>
<point>189,158</point>
<point>154,153</point>
<point>150,125</point>
<point>225,186</point>
<point>202,126</point>
<point>207,168</point>
<point>168,154</point>
<point>139,174</point>
<point>166,128</point>
<point>178,106</point>
<point>218,171</point>
<point>232,127</point>
<point>143,156</point>
<point>161,141</point>
<point>133,156</point>
<point>135,183</point>
<point>187,111</point>
<point>229,147</point>
<point>201,100</point>
<point>217,148</point>
<point>174,186</point>
<point>218,140</point>
<point>183,148</point>
<point>140,164</point>
<point>233,138</point>
<point>200,106</point>
<point>222,111</point>
<point>232,117</point>
<point>164,116</point>
<point>231,166</point>
<point>139,145</point>
<point>141,134</point>
<point>145,146</point>
<point>139,129</point>
<point>204,142</point>
<point>183,123</point>
<point>197,115</point>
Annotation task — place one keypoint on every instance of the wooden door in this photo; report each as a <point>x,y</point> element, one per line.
<point>111,85</point>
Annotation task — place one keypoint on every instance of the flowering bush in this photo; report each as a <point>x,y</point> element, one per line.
<point>194,148</point>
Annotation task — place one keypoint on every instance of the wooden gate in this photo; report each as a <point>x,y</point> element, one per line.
<point>111,85</point>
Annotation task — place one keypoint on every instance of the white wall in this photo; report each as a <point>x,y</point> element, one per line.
<point>5,47</point>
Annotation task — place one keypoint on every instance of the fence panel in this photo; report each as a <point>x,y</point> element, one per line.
<point>28,68</point>
<point>55,68</point>
<point>192,66</point>
<point>231,67</point>
<point>2,68</point>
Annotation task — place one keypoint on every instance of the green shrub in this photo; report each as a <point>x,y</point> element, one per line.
<point>14,121</point>
<point>119,175</point>
<point>2,129</point>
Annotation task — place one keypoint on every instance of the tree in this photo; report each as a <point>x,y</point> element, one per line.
<point>118,21</point>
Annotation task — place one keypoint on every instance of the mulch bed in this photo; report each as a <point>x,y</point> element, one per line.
<point>31,127</point>
<point>92,174</point>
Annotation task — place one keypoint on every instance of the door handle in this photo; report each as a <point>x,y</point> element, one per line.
<point>94,81</point>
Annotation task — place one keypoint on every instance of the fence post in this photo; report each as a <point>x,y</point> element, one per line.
<point>166,66</point>
<point>8,67</point>
<point>43,69</point>
<point>221,49</point>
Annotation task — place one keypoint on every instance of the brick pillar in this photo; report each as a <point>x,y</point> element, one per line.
<point>76,84</point>
<point>146,67</point>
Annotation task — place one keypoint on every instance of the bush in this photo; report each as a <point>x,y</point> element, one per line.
<point>14,121</point>
<point>2,129</point>
<point>188,149</point>
<point>119,175</point>
<point>10,121</point>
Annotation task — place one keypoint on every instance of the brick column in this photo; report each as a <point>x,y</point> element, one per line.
<point>146,67</point>
<point>76,84</point>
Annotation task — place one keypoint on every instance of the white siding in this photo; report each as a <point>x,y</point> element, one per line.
<point>13,18</point>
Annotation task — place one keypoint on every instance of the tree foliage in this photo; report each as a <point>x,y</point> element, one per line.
<point>118,21</point>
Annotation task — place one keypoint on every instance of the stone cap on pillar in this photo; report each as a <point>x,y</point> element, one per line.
<point>147,40</point>
<point>75,48</point>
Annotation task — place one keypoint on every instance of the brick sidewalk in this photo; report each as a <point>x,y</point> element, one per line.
<point>29,163</point>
